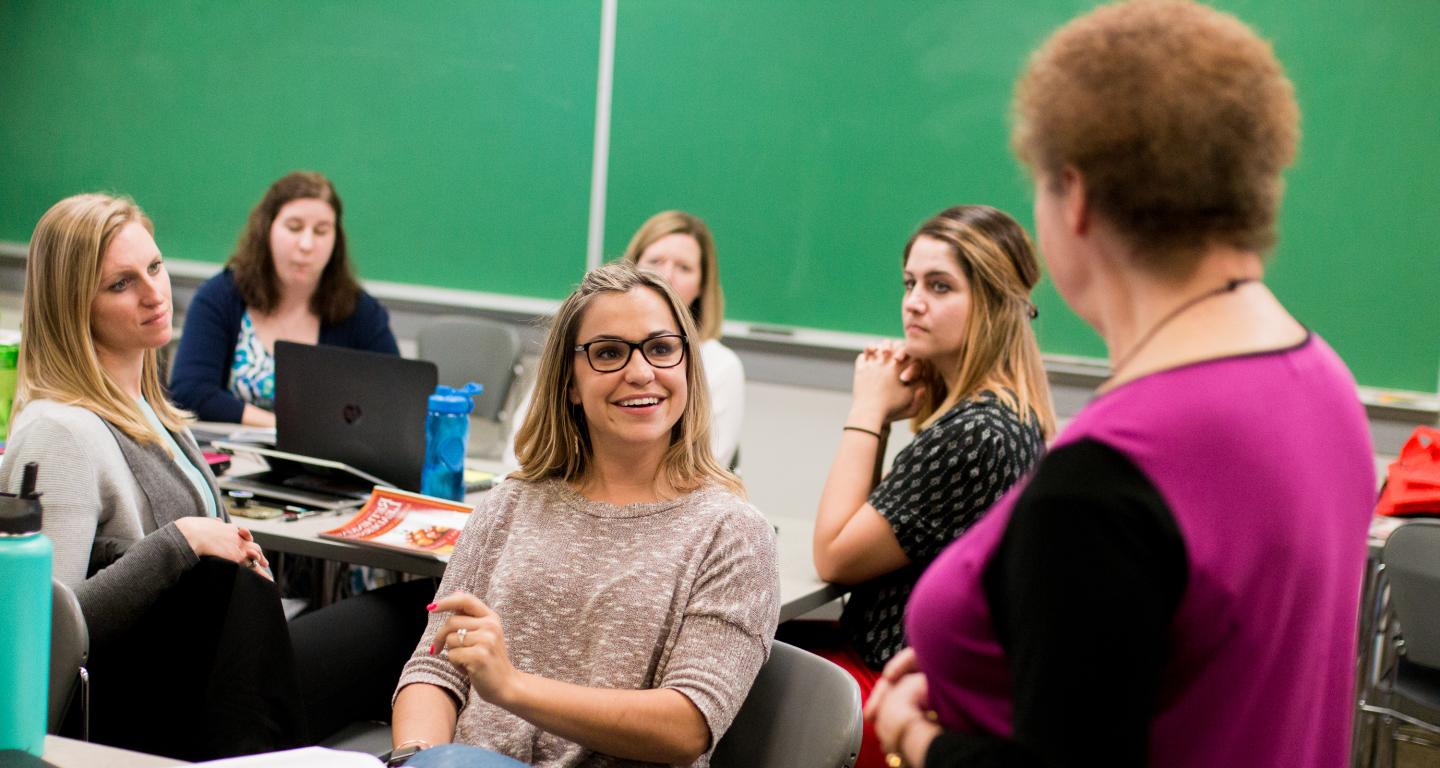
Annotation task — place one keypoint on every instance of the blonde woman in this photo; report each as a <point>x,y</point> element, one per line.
<point>678,246</point>
<point>130,504</point>
<point>970,378</point>
<point>611,602</point>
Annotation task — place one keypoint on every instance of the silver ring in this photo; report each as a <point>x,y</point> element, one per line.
<point>252,563</point>
<point>461,636</point>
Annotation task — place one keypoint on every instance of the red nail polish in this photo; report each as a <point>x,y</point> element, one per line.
<point>430,607</point>
<point>432,649</point>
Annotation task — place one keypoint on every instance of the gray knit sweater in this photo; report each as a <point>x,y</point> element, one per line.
<point>110,505</point>
<point>681,594</point>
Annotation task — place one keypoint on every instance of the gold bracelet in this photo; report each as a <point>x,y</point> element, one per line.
<point>894,760</point>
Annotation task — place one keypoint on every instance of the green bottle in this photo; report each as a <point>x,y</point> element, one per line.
<point>9,354</point>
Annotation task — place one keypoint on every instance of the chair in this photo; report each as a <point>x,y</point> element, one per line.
<point>69,651</point>
<point>1411,694</point>
<point>802,712</point>
<point>475,349</point>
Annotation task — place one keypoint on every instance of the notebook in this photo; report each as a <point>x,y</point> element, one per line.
<point>345,421</point>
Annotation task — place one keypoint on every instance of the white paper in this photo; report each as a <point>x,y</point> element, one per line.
<point>309,757</point>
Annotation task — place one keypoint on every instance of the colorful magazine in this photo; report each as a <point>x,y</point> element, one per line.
<point>409,522</point>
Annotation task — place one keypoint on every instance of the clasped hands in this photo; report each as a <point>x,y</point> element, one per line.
<point>473,640</point>
<point>216,538</point>
<point>888,385</point>
<point>899,708</point>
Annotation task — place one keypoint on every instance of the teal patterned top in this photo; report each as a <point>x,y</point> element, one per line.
<point>252,371</point>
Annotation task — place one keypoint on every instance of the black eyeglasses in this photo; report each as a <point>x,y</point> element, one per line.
<point>610,355</point>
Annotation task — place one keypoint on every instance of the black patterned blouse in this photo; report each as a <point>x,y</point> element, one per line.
<point>938,486</point>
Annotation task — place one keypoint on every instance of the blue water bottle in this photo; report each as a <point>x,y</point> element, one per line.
<point>447,430</point>
<point>24,619</point>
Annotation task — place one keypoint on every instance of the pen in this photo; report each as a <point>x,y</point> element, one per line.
<point>293,513</point>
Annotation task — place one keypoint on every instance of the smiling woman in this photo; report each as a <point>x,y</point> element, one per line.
<point>615,596</point>
<point>679,248</point>
<point>288,280</point>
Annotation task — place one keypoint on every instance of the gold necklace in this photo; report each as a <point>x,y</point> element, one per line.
<point>1229,286</point>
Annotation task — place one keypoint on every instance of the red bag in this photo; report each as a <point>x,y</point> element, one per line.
<point>1412,485</point>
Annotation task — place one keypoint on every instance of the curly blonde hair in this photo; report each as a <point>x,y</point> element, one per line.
<point>1178,117</point>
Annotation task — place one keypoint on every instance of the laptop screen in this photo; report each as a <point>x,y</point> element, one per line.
<point>359,408</point>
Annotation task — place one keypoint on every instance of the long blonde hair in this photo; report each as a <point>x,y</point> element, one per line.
<point>709,307</point>
<point>1000,353</point>
<point>57,348</point>
<point>554,442</point>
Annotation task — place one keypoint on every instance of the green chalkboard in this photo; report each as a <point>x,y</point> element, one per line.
<point>459,134</point>
<point>814,136</point>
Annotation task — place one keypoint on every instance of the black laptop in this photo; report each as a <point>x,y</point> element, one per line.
<point>363,409</point>
<point>345,421</point>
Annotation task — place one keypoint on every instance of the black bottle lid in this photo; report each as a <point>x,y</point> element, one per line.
<point>20,515</point>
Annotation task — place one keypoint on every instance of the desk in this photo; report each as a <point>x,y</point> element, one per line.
<point>69,753</point>
<point>801,591</point>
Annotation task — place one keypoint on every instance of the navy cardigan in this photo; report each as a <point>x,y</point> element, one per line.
<point>201,371</point>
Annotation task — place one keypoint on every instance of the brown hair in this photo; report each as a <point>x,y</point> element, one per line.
<point>709,307</point>
<point>254,266</point>
<point>1177,116</point>
<point>57,348</point>
<point>1000,352</point>
<point>554,442</point>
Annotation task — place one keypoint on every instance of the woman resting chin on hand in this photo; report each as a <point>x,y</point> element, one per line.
<point>613,600</point>
<point>969,376</point>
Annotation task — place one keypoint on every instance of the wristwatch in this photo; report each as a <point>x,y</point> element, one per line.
<point>400,754</point>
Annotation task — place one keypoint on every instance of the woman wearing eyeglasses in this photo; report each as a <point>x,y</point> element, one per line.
<point>678,247</point>
<point>612,600</point>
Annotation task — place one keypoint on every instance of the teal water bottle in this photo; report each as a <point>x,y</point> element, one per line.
<point>24,619</point>
<point>447,431</point>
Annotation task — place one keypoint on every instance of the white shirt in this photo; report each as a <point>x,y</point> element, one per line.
<point>724,377</point>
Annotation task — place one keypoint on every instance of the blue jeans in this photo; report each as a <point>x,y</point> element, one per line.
<point>461,756</point>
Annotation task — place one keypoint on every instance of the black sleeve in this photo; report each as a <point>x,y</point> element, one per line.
<point>1083,590</point>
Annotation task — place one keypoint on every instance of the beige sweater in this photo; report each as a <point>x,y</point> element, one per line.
<point>681,594</point>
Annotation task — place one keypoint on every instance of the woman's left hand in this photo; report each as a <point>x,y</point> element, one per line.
<point>474,641</point>
<point>900,665</point>
<point>901,718</point>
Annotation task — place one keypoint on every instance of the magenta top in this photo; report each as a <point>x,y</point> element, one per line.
<point>1265,463</point>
